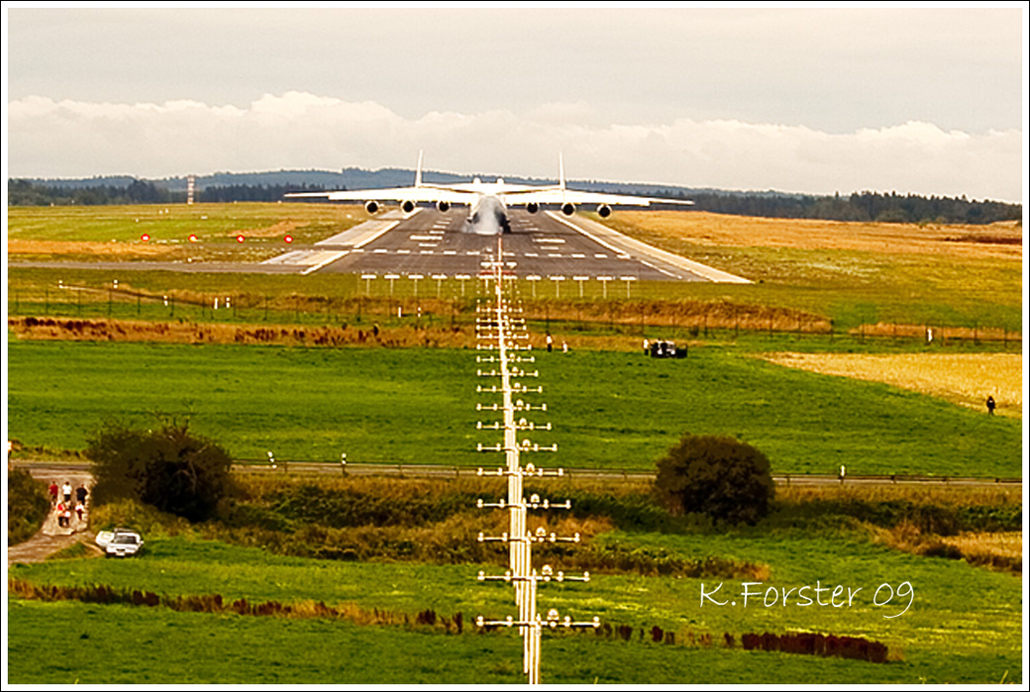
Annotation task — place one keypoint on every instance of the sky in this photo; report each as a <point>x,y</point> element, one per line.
<point>813,99</point>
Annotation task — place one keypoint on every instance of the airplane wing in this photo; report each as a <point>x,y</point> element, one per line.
<point>422,193</point>
<point>558,195</point>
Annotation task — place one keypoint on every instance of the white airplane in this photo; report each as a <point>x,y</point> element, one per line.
<point>488,202</point>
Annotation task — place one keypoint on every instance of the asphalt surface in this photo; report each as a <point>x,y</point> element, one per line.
<point>547,247</point>
<point>432,243</point>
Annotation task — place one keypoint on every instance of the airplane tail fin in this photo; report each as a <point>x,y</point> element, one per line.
<point>418,170</point>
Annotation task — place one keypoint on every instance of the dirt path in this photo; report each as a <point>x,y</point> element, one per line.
<point>51,537</point>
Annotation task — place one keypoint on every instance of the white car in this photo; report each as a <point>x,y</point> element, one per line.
<point>120,542</point>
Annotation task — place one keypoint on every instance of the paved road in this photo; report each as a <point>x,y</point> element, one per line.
<point>60,469</point>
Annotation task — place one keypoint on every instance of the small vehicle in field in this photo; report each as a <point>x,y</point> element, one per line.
<point>120,542</point>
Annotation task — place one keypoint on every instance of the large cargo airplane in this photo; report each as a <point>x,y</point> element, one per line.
<point>488,202</point>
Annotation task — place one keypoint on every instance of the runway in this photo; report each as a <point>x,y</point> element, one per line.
<point>428,243</point>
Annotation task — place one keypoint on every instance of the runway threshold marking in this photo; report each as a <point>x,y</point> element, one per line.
<point>333,256</point>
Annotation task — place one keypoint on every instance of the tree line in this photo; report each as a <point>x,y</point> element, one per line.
<point>859,206</point>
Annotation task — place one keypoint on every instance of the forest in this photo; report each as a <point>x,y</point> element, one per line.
<point>858,206</point>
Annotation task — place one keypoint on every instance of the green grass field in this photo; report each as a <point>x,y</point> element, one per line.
<point>173,223</point>
<point>609,410</point>
<point>963,625</point>
<point>947,287</point>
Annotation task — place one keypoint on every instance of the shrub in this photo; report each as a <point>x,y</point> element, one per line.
<point>169,468</point>
<point>27,505</point>
<point>721,477</point>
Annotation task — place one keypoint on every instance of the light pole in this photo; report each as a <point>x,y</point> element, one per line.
<point>500,328</point>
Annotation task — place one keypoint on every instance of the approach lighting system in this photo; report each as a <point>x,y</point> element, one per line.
<point>193,237</point>
<point>501,332</point>
<point>288,239</point>
<point>240,238</point>
<point>145,237</point>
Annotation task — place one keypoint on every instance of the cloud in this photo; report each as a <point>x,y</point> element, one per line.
<point>298,130</point>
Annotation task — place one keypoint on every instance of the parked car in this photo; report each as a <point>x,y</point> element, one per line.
<point>120,542</point>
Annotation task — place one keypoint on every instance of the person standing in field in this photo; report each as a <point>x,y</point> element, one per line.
<point>550,342</point>
<point>990,405</point>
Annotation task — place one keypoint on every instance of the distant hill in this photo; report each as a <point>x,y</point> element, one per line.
<point>360,178</point>
<point>272,185</point>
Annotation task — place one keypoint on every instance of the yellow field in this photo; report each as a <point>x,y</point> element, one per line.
<point>965,379</point>
<point>1006,544</point>
<point>705,228</point>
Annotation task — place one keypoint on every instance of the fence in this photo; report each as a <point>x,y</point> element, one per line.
<point>682,319</point>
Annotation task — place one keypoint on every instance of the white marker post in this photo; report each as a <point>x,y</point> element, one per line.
<point>604,284</point>
<point>439,282</point>
<point>416,278</point>
<point>368,283</point>
<point>532,279</point>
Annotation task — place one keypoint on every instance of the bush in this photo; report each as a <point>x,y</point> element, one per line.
<point>721,477</point>
<point>168,468</point>
<point>27,505</point>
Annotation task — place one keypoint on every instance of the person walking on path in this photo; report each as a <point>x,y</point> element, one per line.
<point>66,490</point>
<point>81,494</point>
<point>53,492</point>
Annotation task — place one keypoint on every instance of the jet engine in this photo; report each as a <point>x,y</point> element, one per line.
<point>408,206</point>
<point>568,209</point>
<point>604,211</point>
<point>443,206</point>
<point>372,206</point>
<point>532,207</point>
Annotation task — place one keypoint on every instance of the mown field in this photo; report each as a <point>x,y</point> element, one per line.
<point>960,624</point>
<point>609,409</point>
<point>254,378</point>
<point>966,378</point>
<point>853,274</point>
<point>116,232</point>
